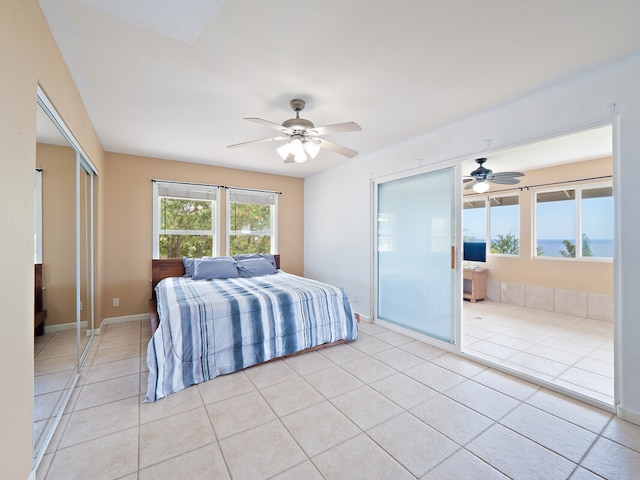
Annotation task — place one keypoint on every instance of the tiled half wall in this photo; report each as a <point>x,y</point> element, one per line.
<point>596,306</point>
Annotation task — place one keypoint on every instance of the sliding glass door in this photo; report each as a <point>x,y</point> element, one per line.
<point>415,264</point>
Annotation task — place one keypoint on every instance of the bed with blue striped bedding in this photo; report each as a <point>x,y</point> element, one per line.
<point>214,327</point>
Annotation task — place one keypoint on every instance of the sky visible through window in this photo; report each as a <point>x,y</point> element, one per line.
<point>556,221</point>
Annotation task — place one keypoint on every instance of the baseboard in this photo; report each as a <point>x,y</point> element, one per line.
<point>363,318</point>
<point>63,326</point>
<point>628,415</point>
<point>140,317</point>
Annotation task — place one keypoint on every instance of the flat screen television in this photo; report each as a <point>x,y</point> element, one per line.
<point>474,251</point>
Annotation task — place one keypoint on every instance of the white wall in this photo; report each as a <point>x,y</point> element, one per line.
<point>338,206</point>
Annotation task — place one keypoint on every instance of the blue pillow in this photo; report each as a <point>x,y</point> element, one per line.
<point>188,266</point>
<point>267,256</point>
<point>255,267</point>
<point>217,267</point>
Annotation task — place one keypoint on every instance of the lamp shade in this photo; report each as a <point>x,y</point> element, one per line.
<point>481,187</point>
<point>311,148</point>
<point>283,151</point>
<point>295,145</point>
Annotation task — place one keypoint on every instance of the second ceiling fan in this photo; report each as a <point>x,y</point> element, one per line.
<point>304,139</point>
<point>480,178</point>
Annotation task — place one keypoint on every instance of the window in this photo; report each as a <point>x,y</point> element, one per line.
<point>504,226</point>
<point>584,213</point>
<point>474,219</point>
<point>251,221</point>
<point>597,222</point>
<point>185,220</point>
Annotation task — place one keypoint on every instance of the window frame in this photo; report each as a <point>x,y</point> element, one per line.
<point>578,197</point>
<point>195,188</point>
<point>273,223</point>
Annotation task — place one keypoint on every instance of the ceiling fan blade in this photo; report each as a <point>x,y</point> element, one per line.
<point>508,174</point>
<point>336,128</point>
<point>504,181</point>
<point>467,180</point>
<point>263,140</point>
<point>342,150</point>
<point>267,123</point>
<point>470,185</point>
<point>290,159</point>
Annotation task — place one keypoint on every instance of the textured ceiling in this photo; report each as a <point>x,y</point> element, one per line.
<point>174,80</point>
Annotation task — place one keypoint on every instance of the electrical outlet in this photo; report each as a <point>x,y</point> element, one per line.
<point>354,298</point>
<point>116,302</point>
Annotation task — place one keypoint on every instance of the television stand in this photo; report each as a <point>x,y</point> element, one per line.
<point>474,284</point>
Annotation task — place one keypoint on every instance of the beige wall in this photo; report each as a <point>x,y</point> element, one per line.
<point>128,221</point>
<point>58,166</point>
<point>583,275</point>
<point>28,57</point>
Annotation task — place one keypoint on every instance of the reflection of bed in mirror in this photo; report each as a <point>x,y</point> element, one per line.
<point>39,312</point>
<point>210,327</point>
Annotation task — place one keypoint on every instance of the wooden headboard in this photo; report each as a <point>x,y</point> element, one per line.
<point>173,267</point>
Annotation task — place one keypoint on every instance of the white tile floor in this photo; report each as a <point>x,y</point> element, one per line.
<point>384,406</point>
<point>572,352</point>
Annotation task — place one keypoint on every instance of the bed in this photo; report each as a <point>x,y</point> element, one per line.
<point>205,327</point>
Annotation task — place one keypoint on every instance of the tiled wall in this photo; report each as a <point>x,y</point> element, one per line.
<point>582,304</point>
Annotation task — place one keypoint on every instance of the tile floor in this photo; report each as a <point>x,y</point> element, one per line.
<point>384,406</point>
<point>572,352</point>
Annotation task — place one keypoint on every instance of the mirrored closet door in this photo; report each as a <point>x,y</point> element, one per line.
<point>64,305</point>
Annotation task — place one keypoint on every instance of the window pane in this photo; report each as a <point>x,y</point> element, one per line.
<point>249,244</point>
<point>177,246</point>
<point>505,225</point>
<point>180,214</point>
<point>474,221</point>
<point>185,214</point>
<point>556,224</point>
<point>597,222</point>
<point>250,218</point>
<point>250,224</point>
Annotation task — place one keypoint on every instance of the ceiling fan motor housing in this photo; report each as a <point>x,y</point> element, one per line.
<point>298,125</point>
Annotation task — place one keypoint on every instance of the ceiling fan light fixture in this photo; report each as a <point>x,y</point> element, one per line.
<point>311,148</point>
<point>481,187</point>
<point>300,157</point>
<point>283,151</point>
<point>295,145</point>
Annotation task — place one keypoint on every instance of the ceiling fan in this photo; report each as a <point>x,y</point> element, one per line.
<point>303,137</point>
<point>479,178</point>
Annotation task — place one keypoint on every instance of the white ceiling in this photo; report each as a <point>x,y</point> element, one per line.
<point>174,79</point>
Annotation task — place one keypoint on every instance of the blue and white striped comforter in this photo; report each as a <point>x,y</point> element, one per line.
<point>210,328</point>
